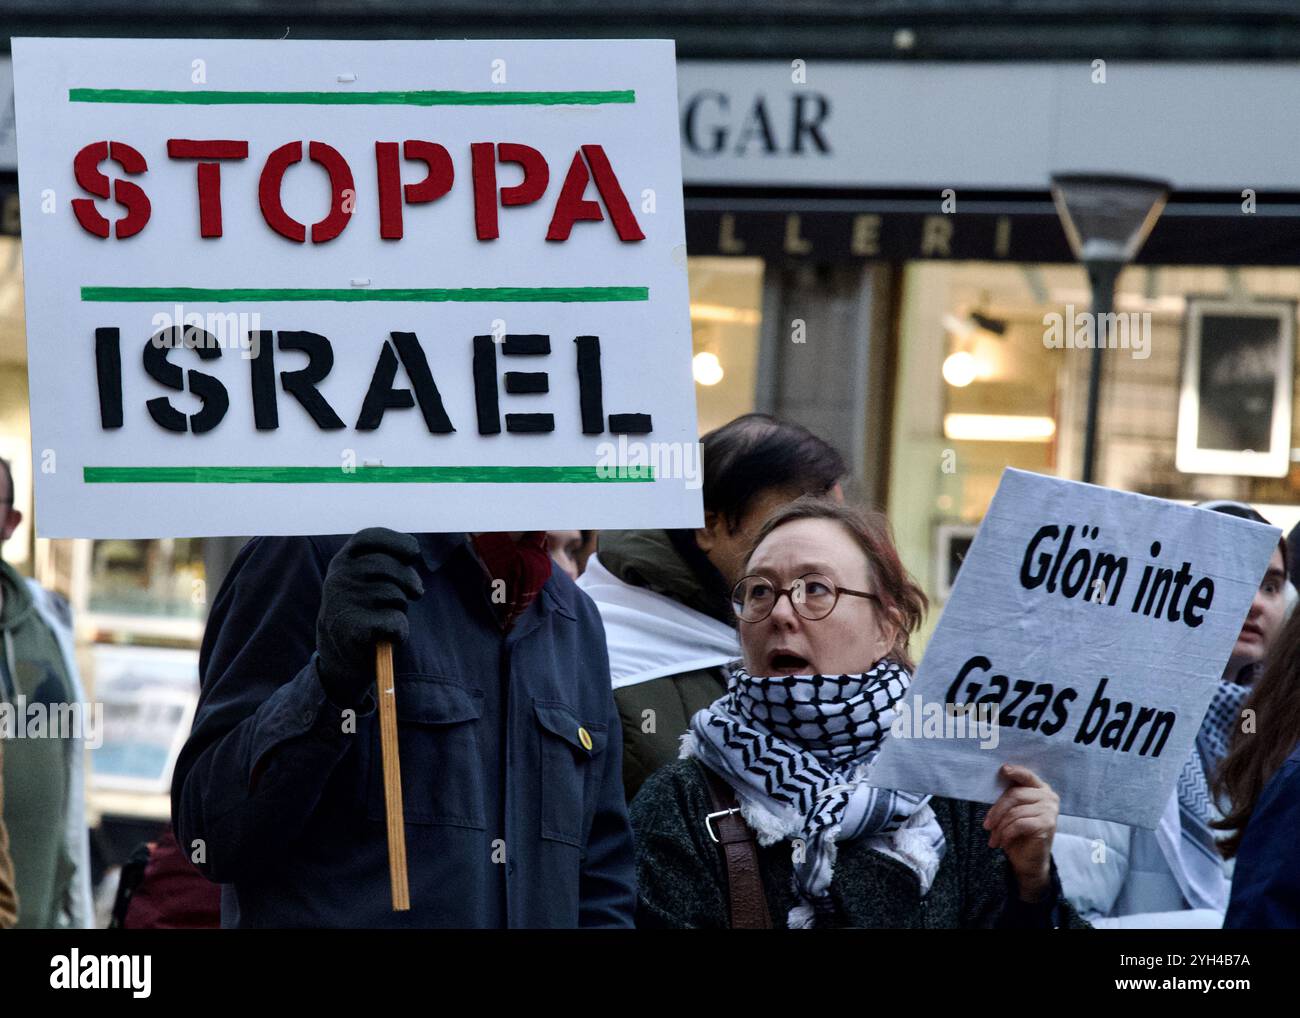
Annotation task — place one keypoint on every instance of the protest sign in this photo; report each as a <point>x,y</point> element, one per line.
<point>304,287</point>
<point>1092,626</point>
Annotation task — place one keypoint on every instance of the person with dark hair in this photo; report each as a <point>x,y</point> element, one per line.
<point>663,594</point>
<point>1174,876</point>
<point>771,820</point>
<point>570,550</point>
<point>1293,556</point>
<point>1260,779</point>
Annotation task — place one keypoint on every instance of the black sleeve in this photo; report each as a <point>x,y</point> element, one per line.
<point>1051,912</point>
<point>265,737</point>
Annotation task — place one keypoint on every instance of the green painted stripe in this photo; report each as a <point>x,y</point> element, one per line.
<point>155,97</point>
<point>470,294</point>
<point>365,475</point>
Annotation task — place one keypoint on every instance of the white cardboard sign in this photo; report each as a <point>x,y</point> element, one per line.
<point>1098,623</point>
<point>304,287</point>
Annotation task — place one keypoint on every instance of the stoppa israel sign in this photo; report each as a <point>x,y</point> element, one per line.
<point>304,287</point>
<point>1091,627</point>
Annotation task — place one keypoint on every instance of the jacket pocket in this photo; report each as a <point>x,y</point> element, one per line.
<point>569,760</point>
<point>437,739</point>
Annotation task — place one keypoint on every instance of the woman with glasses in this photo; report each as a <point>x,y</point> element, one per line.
<point>769,819</point>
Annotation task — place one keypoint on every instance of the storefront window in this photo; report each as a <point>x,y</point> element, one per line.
<point>148,578</point>
<point>979,389</point>
<point>726,303</point>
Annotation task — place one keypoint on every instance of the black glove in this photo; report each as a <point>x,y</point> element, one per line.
<point>368,588</point>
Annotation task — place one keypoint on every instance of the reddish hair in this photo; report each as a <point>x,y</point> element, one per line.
<point>901,598</point>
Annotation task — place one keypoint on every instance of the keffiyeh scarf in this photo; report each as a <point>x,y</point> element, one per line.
<point>1202,863</point>
<point>797,750</point>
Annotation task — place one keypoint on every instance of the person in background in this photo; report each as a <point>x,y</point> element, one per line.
<point>1174,877</point>
<point>44,807</point>
<point>509,740</point>
<point>567,547</point>
<point>586,549</point>
<point>663,595</point>
<point>8,900</point>
<point>1260,779</point>
<point>160,889</point>
<point>826,610</point>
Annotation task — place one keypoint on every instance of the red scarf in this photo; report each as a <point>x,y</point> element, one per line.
<point>524,565</point>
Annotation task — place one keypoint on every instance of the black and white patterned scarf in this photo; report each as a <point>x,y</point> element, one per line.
<point>1201,862</point>
<point>797,750</point>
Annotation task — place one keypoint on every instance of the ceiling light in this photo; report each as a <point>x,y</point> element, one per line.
<point>707,368</point>
<point>998,428</point>
<point>725,313</point>
<point>960,369</point>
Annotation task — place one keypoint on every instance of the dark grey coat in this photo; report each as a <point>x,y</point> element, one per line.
<point>682,882</point>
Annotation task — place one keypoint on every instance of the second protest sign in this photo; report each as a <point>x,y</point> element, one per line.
<point>1085,635</point>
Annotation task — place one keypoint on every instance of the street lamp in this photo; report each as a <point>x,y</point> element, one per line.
<point>1107,219</point>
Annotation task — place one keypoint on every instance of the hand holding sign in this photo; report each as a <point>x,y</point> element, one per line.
<point>1023,823</point>
<point>368,588</point>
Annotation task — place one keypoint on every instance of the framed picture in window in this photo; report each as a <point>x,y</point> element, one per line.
<point>1234,407</point>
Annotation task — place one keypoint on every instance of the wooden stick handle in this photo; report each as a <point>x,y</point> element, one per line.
<point>392,776</point>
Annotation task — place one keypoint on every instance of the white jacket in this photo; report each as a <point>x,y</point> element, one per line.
<point>1121,877</point>
<point>650,635</point>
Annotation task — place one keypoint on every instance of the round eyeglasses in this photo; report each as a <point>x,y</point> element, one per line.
<point>812,595</point>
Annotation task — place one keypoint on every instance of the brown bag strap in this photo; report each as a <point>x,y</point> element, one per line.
<point>739,855</point>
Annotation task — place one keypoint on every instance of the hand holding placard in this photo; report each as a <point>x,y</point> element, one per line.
<point>368,587</point>
<point>1023,823</point>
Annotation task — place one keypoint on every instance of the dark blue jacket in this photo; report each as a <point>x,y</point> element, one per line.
<point>512,819</point>
<point>1266,880</point>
